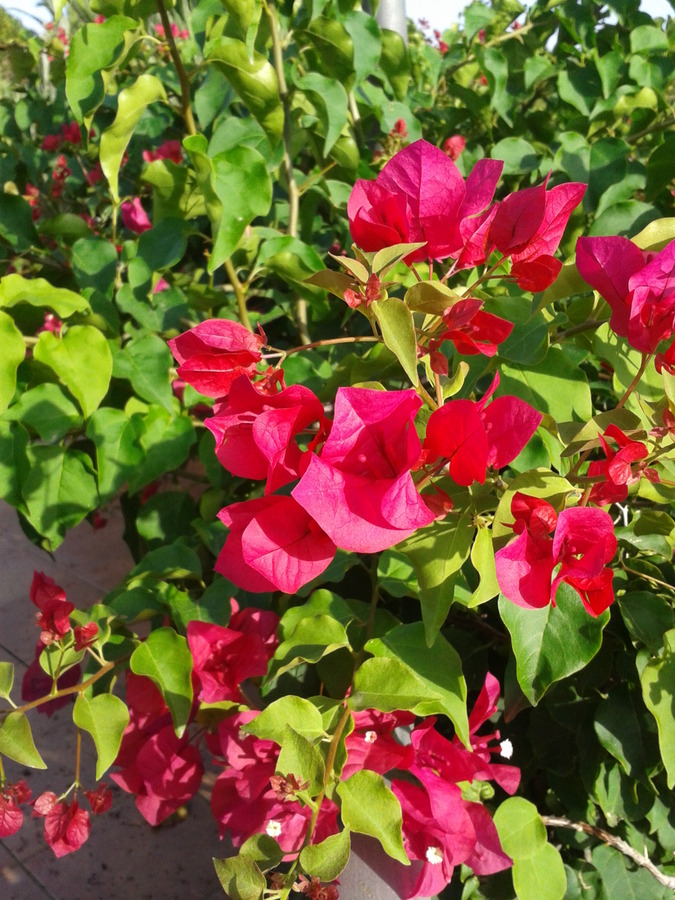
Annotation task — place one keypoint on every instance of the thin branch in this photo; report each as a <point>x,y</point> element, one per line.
<point>239,293</point>
<point>186,106</point>
<point>613,841</point>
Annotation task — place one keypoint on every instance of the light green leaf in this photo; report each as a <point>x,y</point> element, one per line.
<point>59,490</point>
<point>370,807</point>
<point>540,877</point>
<point>93,49</point>
<point>521,831</point>
<point>430,297</point>
<point>16,289</point>
<point>365,34</point>
<point>327,859</point>
<point>240,877</point>
<point>115,437</point>
<point>398,332</point>
<point>13,354</point>
<point>395,62</point>
<point>254,81</point>
<point>330,100</point>
<point>82,360</point>
<point>556,386</point>
<point>483,561</point>
<point>313,638</point>
<point>408,674</point>
<point>104,717</point>
<point>166,659</point>
<point>48,410</point>
<point>146,362</point>
<point>302,714</point>
<point>658,690</point>
<point>131,104</point>
<point>16,742</point>
<point>437,554</point>
<point>6,679</point>
<point>301,758</point>
<point>551,643</point>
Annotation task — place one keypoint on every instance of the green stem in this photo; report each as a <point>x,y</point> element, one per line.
<point>67,691</point>
<point>287,162</point>
<point>186,106</point>
<point>239,293</point>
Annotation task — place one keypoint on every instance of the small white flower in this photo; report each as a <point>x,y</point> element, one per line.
<point>273,828</point>
<point>506,749</point>
<point>434,855</point>
<point>370,737</point>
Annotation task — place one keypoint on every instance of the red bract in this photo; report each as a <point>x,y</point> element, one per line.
<point>223,658</point>
<point>134,217</point>
<point>638,285</point>
<point>168,150</point>
<point>529,225</point>
<point>55,610</point>
<point>11,816</point>
<point>372,744</point>
<point>99,799</point>
<point>438,834</point>
<point>255,431</point>
<point>67,826</point>
<point>472,435</point>
<point>454,146</point>
<point>85,635</point>
<point>360,490</point>
<point>582,544</point>
<point>617,469</point>
<point>244,801</point>
<point>212,354</point>
<point>273,544</point>
<point>472,330</point>
<point>420,196</point>
<point>160,769</point>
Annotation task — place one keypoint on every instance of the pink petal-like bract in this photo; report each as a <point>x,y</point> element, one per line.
<point>524,571</point>
<point>608,264</point>
<point>456,432</point>
<point>509,424</point>
<point>273,544</point>
<point>518,219</point>
<point>360,489</point>
<point>560,203</point>
<point>134,217</point>
<point>212,354</point>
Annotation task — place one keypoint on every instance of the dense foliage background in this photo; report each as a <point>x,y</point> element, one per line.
<point>113,242</point>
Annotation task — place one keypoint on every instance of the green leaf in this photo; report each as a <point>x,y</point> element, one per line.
<point>496,68</point>
<point>398,332</point>
<point>437,553</point>
<point>82,360</point>
<point>263,850</point>
<point>302,714</point>
<point>386,258</point>
<point>580,87</point>
<point>13,354</point>
<point>334,282</point>
<point>16,222</point>
<point>370,807</point>
<point>551,643</point>
<point>619,879</point>
<point>521,831</point>
<point>165,440</point>
<point>366,38</point>
<point>519,156</point>
<point>59,490</point>
<point>47,410</point>
<point>430,297</point>
<point>556,386</point>
<point>146,362</point>
<point>240,877</point>
<point>163,245</point>
<point>254,81</point>
<point>408,674</point>
<point>648,38</point>
<point>483,561</point>
<point>6,679</point>
<point>647,617</point>
<point>116,438</point>
<point>395,62</point>
<point>244,187</point>
<point>301,758</point>
<point>165,658</point>
<point>16,742</point>
<point>14,464</point>
<point>328,859</point>
<point>540,877</point>
<point>658,691</point>
<point>330,100</point>
<point>131,104</point>
<point>15,289</point>
<point>104,717</point>
<point>618,729</point>
<point>94,263</point>
<point>396,574</point>
<point>94,49</point>
<point>313,638</point>
<point>165,517</point>
<point>334,48</point>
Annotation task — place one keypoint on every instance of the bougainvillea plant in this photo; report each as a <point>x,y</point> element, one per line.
<point>391,421</point>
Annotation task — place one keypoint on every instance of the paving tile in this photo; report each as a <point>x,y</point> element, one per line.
<point>16,882</point>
